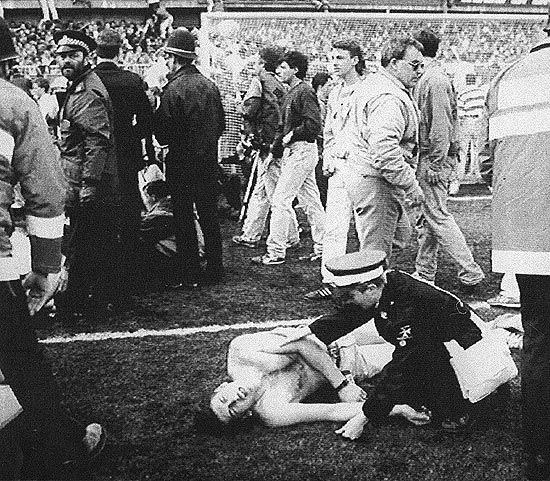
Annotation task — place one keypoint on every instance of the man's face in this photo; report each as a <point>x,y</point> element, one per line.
<point>171,63</point>
<point>285,73</point>
<point>233,400</point>
<point>72,64</point>
<point>258,65</point>
<point>342,62</point>
<point>365,296</point>
<point>410,68</point>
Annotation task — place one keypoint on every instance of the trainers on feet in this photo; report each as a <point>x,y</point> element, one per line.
<point>243,241</point>
<point>310,257</point>
<point>268,260</point>
<point>504,301</point>
<point>319,294</point>
<point>419,276</point>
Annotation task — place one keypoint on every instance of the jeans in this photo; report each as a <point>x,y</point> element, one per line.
<point>260,203</point>
<point>438,229</point>
<point>297,179</point>
<point>535,364</point>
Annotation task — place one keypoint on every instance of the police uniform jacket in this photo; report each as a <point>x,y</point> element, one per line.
<point>417,319</point>
<point>87,141</point>
<point>133,118</point>
<point>28,156</point>
<point>190,120</point>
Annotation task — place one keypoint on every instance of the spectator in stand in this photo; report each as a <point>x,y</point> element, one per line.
<point>49,10</point>
<point>436,99</point>
<point>46,101</point>
<point>28,157</point>
<point>517,137</point>
<point>191,104</point>
<point>348,65</point>
<point>161,20</point>
<point>261,110</point>
<point>133,122</point>
<point>89,160</point>
<point>297,143</point>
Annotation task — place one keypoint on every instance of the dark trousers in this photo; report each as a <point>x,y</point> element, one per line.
<point>535,364</point>
<point>129,230</point>
<point>202,192</point>
<point>28,373</point>
<point>92,249</point>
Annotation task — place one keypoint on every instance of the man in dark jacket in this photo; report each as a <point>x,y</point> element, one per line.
<point>190,120</point>
<point>89,160</point>
<point>296,142</point>
<point>133,121</point>
<point>417,318</point>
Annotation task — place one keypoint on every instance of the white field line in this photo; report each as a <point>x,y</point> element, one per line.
<point>181,331</point>
<point>189,331</point>
<point>451,198</point>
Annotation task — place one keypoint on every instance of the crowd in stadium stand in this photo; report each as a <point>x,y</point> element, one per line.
<point>35,44</point>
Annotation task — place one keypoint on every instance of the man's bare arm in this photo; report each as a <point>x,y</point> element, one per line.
<point>314,353</point>
<point>286,414</point>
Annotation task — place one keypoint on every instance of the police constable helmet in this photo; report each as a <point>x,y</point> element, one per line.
<point>74,40</point>
<point>7,48</point>
<point>181,43</point>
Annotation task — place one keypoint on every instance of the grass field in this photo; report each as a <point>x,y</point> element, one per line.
<point>147,391</point>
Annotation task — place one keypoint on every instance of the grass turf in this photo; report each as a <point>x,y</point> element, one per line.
<point>147,391</point>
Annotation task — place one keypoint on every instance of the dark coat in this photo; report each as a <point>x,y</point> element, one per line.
<point>133,118</point>
<point>417,319</point>
<point>87,140</point>
<point>190,120</point>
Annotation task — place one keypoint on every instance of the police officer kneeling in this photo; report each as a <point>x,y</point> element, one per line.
<point>417,318</point>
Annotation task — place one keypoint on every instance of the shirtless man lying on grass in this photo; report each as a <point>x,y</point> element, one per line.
<point>270,379</point>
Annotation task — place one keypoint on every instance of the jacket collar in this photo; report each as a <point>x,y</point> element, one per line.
<point>394,80</point>
<point>77,85</point>
<point>185,70</point>
<point>107,65</point>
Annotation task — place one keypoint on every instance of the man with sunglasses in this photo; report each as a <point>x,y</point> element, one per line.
<point>381,139</point>
<point>436,100</point>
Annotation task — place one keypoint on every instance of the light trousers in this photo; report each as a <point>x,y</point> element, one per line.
<point>439,230</point>
<point>297,180</point>
<point>260,202</point>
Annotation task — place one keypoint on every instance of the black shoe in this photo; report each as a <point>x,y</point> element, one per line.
<point>537,467</point>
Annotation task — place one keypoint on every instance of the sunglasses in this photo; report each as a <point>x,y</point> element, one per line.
<point>415,64</point>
